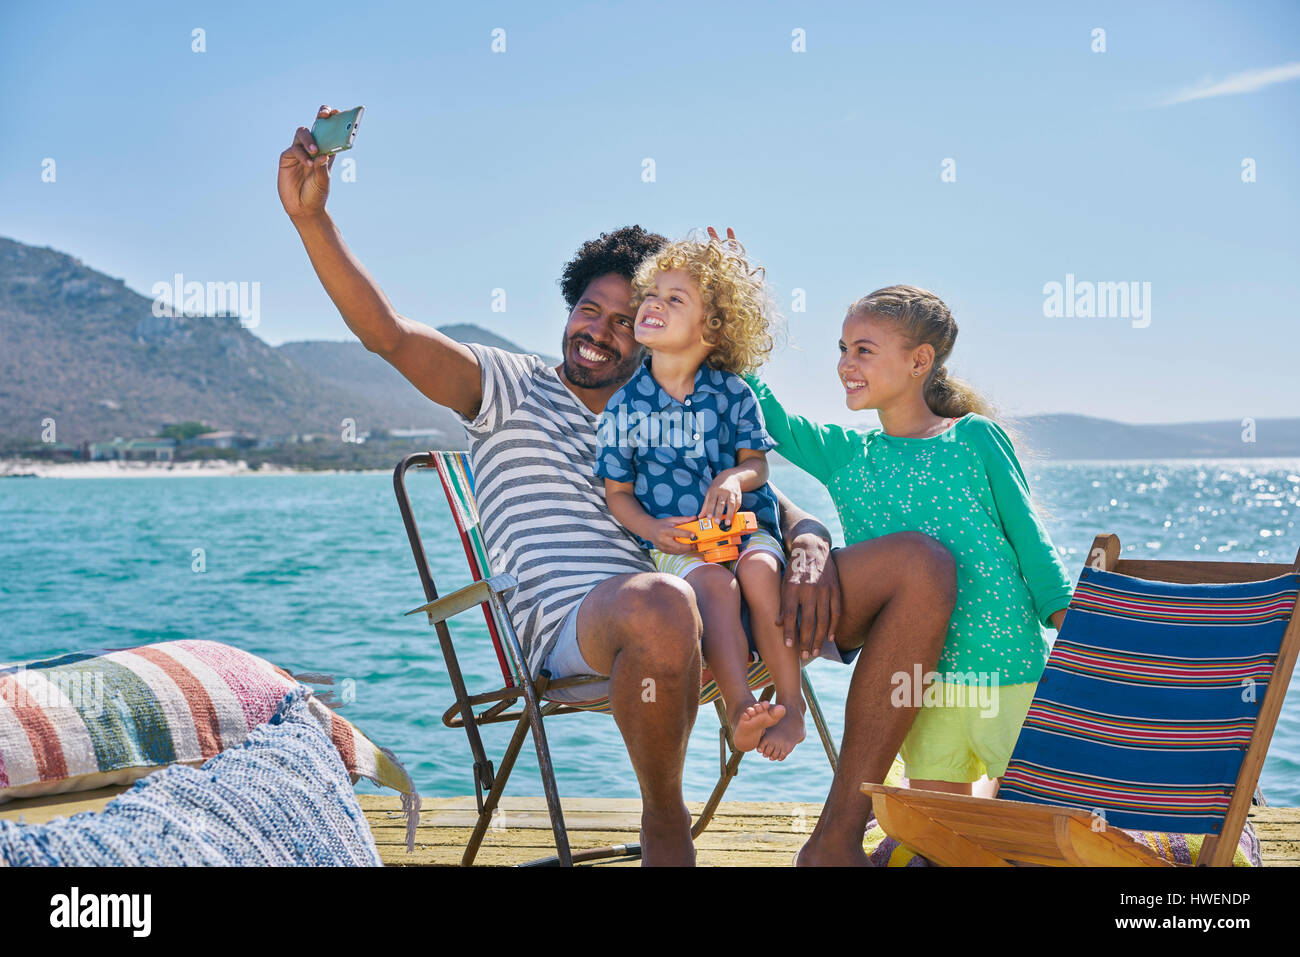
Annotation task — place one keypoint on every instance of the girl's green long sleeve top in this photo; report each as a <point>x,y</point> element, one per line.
<point>964,488</point>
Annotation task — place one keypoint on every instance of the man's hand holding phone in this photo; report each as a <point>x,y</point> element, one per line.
<point>304,179</point>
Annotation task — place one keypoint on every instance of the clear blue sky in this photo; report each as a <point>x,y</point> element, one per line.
<point>478,170</point>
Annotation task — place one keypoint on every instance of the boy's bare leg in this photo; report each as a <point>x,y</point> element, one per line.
<point>897,594</point>
<point>643,631</point>
<point>726,650</point>
<point>759,574</point>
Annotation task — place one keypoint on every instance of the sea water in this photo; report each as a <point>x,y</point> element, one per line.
<point>313,572</point>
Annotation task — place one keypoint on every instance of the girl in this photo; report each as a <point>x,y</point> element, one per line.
<point>939,466</point>
<point>684,439</point>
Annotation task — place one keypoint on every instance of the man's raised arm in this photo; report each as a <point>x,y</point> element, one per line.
<point>440,367</point>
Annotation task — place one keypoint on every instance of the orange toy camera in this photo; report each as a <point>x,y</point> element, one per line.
<point>719,541</point>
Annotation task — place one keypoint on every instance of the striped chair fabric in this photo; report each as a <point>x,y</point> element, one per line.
<point>458,484</point>
<point>1149,699</point>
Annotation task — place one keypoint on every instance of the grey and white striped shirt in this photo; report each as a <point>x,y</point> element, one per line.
<point>543,512</point>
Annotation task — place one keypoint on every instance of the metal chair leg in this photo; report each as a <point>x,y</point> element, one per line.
<point>564,856</point>
<point>819,719</point>
<point>730,766</point>
<point>494,796</point>
<point>730,760</point>
<point>534,714</point>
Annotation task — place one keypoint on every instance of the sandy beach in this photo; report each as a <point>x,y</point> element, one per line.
<point>32,468</point>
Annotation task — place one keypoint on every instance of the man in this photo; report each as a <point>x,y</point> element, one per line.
<point>588,600</point>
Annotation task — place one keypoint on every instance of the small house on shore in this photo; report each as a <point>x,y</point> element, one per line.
<point>133,450</point>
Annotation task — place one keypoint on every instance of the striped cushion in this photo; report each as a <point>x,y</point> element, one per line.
<point>282,799</point>
<point>88,720</point>
<point>1149,700</point>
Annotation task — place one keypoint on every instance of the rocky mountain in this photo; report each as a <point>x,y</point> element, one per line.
<point>465,332</point>
<point>79,347</point>
<point>352,369</point>
<point>1082,437</point>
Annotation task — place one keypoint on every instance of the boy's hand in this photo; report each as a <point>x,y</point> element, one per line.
<point>722,500</point>
<point>665,534</point>
<point>304,178</point>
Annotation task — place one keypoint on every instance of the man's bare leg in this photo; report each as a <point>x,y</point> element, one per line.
<point>898,593</point>
<point>643,631</point>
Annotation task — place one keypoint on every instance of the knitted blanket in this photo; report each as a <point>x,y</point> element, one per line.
<point>283,797</point>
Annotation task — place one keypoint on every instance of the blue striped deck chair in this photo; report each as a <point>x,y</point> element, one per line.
<point>1154,714</point>
<point>486,590</point>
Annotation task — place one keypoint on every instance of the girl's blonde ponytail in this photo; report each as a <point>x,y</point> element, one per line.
<point>951,397</point>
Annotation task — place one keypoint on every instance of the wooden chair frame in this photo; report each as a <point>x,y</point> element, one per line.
<point>520,688</point>
<point>959,830</point>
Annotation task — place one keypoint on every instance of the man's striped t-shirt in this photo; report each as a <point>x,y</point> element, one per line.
<point>542,508</point>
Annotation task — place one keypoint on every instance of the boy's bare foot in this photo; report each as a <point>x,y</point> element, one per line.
<point>780,739</point>
<point>748,727</point>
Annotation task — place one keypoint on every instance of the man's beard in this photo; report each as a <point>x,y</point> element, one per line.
<point>614,372</point>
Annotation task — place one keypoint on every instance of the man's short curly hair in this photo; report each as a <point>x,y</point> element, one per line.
<point>618,252</point>
<point>739,315</point>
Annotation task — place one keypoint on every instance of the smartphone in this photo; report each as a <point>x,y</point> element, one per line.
<point>333,134</point>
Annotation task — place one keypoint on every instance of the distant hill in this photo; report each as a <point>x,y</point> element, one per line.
<point>80,347</point>
<point>349,369</point>
<point>465,332</point>
<point>1083,437</point>
<point>352,369</point>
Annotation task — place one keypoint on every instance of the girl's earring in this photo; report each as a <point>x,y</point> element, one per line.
<point>915,373</point>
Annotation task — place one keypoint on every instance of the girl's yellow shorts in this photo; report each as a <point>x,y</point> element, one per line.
<point>969,731</point>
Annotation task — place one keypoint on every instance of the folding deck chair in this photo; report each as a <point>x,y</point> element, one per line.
<point>1154,713</point>
<point>487,589</point>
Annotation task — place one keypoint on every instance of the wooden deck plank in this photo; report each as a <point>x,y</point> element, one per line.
<point>581,820</point>
<point>39,810</point>
<point>535,844</point>
<point>1278,829</point>
<point>630,806</point>
<point>742,833</point>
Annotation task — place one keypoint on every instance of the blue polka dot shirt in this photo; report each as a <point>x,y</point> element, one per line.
<point>671,451</point>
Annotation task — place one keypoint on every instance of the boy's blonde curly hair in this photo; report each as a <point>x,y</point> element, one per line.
<point>739,315</point>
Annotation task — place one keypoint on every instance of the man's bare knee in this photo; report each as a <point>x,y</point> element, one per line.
<point>661,613</point>
<point>929,566</point>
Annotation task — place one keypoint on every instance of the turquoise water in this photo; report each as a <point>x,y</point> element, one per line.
<point>313,572</point>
